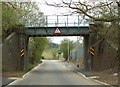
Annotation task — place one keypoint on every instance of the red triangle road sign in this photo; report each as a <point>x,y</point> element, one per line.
<point>57,31</point>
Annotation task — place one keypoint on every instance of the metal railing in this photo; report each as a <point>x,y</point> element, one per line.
<point>58,20</point>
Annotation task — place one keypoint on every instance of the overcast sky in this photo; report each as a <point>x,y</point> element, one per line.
<point>48,10</point>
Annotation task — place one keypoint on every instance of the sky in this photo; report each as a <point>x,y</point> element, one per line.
<point>59,39</point>
<point>49,10</point>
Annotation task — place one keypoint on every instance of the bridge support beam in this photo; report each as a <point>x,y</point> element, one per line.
<point>91,56</point>
<point>89,41</point>
<point>26,58</point>
<point>92,41</point>
<point>23,45</point>
<point>86,53</point>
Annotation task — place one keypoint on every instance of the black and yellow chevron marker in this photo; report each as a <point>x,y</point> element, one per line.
<point>92,51</point>
<point>22,52</point>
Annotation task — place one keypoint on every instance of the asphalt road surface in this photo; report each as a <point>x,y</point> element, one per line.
<point>54,72</point>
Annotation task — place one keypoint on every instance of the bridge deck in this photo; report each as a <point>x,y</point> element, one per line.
<point>64,31</point>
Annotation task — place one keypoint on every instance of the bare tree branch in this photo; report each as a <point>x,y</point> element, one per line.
<point>82,8</point>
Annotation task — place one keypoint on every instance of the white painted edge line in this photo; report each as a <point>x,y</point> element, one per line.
<point>77,71</point>
<point>92,78</point>
<point>32,70</point>
<point>13,82</point>
<point>25,74</point>
<point>101,82</point>
<point>88,77</point>
<point>80,73</point>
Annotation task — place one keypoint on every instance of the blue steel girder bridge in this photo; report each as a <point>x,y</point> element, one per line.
<point>65,26</point>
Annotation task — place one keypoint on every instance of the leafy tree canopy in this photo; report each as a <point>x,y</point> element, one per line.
<point>66,45</point>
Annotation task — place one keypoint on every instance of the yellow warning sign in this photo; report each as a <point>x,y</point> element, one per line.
<point>92,51</point>
<point>22,52</point>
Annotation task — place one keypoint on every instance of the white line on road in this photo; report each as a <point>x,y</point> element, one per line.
<point>32,70</point>
<point>12,83</point>
<point>101,82</point>
<point>92,77</point>
<point>80,73</point>
<point>87,77</point>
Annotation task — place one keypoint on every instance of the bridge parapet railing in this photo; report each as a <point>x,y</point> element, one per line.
<point>59,20</point>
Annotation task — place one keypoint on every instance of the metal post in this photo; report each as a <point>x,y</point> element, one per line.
<point>46,21</point>
<point>67,20</point>
<point>68,52</point>
<point>78,20</point>
<point>65,24</point>
<point>57,20</point>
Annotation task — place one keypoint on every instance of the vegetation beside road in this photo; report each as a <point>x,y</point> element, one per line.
<point>16,14</point>
<point>66,46</point>
<point>36,47</point>
<point>14,18</point>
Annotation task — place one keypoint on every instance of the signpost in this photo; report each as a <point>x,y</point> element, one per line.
<point>59,52</point>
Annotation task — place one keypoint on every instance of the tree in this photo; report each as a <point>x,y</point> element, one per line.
<point>36,47</point>
<point>20,13</point>
<point>102,13</point>
<point>54,52</point>
<point>64,47</point>
<point>93,9</point>
<point>9,19</point>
